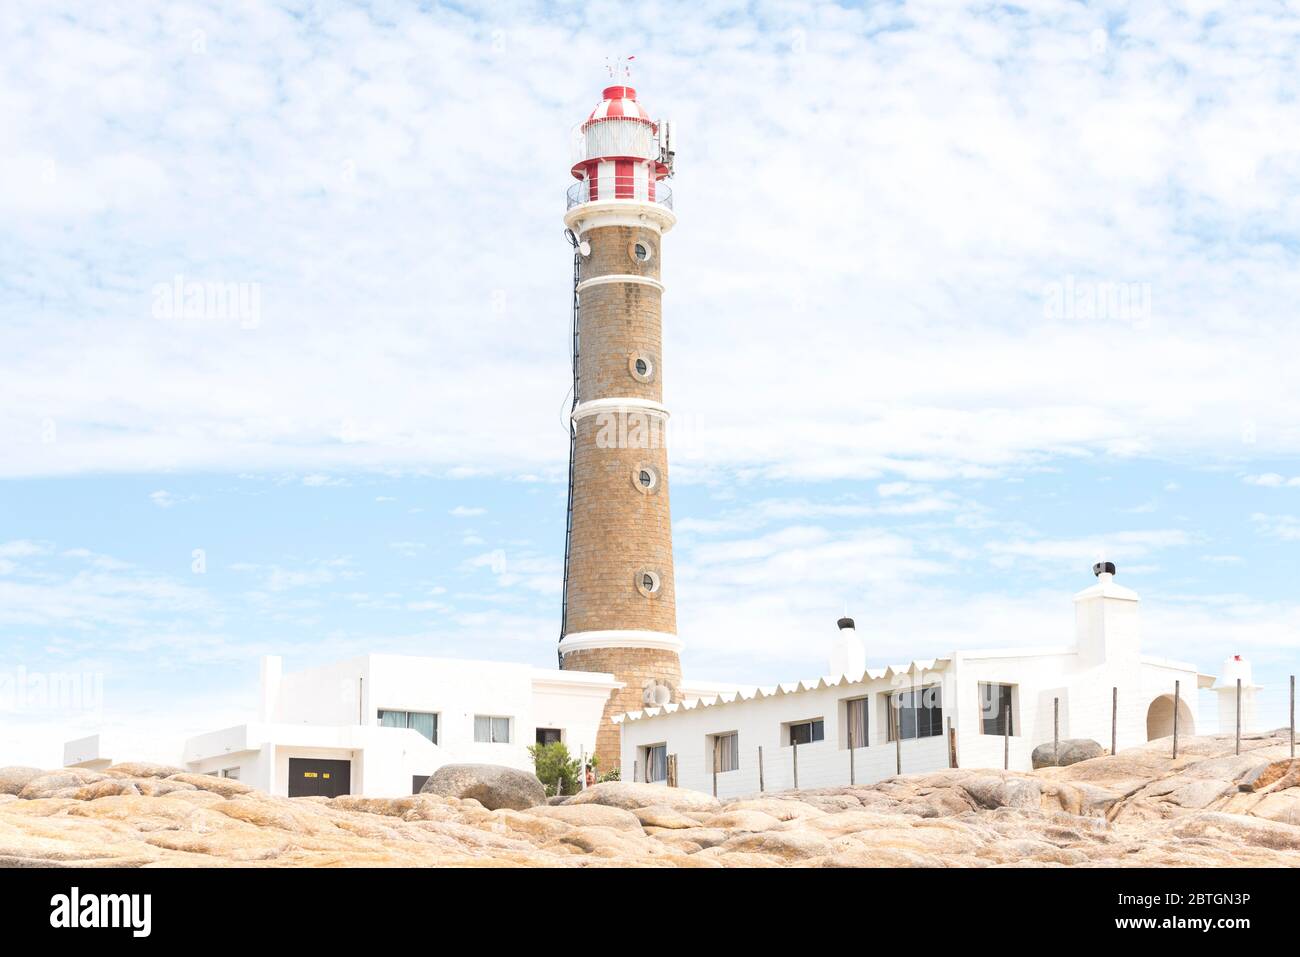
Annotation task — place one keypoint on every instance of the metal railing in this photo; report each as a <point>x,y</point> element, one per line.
<point>618,187</point>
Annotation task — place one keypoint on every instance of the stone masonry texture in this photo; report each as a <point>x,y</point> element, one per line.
<point>620,529</point>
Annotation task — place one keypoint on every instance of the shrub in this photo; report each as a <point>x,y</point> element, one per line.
<point>552,764</point>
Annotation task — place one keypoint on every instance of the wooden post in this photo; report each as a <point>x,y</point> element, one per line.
<point>760,769</point>
<point>898,743</point>
<point>1293,716</point>
<point>1238,748</point>
<point>796,764</point>
<point>952,745</point>
<point>1056,732</point>
<point>715,766</point>
<point>1006,741</point>
<point>1177,696</point>
<point>1114,718</point>
<point>671,770</point>
<point>852,780</point>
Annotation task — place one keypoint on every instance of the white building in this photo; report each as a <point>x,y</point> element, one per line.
<point>379,725</point>
<point>960,702</point>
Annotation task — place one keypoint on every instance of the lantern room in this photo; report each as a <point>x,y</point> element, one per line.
<point>621,153</point>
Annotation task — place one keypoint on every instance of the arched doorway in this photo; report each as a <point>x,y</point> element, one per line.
<point>1160,718</point>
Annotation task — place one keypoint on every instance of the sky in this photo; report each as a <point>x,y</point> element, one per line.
<point>960,299</point>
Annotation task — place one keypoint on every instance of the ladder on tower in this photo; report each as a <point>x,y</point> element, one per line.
<point>573,439</point>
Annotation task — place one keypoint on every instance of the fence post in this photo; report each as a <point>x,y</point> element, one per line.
<point>760,769</point>
<point>1114,718</point>
<point>852,776</point>
<point>715,766</point>
<point>898,745</point>
<point>795,745</point>
<point>1177,696</point>
<point>1006,740</point>
<point>1056,731</point>
<point>1238,747</point>
<point>952,745</point>
<point>671,770</point>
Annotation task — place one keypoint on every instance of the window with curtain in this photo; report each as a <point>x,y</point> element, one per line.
<point>491,729</point>
<point>806,732</point>
<point>656,763</point>
<point>995,709</point>
<point>725,747</point>
<point>856,715</point>
<point>422,721</point>
<point>917,713</point>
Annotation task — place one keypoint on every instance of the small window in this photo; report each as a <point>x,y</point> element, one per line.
<point>917,713</point>
<point>641,367</point>
<point>491,729</point>
<point>806,732</point>
<point>418,782</point>
<point>549,735</point>
<point>855,714</point>
<point>645,479</point>
<point>656,763</point>
<point>231,773</point>
<point>724,752</point>
<point>648,582</point>
<point>995,709</point>
<point>423,721</point>
<point>641,252</point>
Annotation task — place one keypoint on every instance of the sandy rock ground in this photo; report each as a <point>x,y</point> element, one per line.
<point>1138,808</point>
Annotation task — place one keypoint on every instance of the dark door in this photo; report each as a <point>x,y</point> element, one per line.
<point>317,777</point>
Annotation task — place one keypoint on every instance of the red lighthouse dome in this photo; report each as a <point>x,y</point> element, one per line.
<point>621,152</point>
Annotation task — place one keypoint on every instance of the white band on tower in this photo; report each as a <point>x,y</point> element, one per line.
<point>597,406</point>
<point>620,277</point>
<point>629,638</point>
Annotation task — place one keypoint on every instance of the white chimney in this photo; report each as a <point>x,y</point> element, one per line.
<point>272,666</point>
<point>848,655</point>
<point>1106,624</point>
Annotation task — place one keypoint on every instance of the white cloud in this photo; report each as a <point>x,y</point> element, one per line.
<point>1271,480</point>
<point>1010,153</point>
<point>465,511</point>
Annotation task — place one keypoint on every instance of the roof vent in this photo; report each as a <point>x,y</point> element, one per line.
<point>1100,568</point>
<point>845,623</point>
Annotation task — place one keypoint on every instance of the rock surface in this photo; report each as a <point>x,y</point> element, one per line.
<point>492,785</point>
<point>1071,751</point>
<point>1137,808</point>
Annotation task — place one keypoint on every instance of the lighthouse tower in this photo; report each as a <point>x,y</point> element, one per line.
<point>619,605</point>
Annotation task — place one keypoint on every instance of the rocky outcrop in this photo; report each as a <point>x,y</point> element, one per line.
<point>629,796</point>
<point>492,785</point>
<point>1070,751</point>
<point>1137,808</point>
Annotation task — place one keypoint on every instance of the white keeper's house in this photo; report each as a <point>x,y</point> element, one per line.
<point>379,725</point>
<point>923,714</point>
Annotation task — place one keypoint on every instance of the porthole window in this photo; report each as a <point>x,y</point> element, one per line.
<point>645,479</point>
<point>648,582</point>
<point>641,366</point>
<point>640,251</point>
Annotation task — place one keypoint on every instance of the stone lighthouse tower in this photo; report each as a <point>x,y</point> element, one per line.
<point>619,604</point>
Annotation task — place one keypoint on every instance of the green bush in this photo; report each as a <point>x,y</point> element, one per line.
<point>611,775</point>
<point>552,764</point>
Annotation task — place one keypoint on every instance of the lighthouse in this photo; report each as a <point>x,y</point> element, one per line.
<point>619,613</point>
